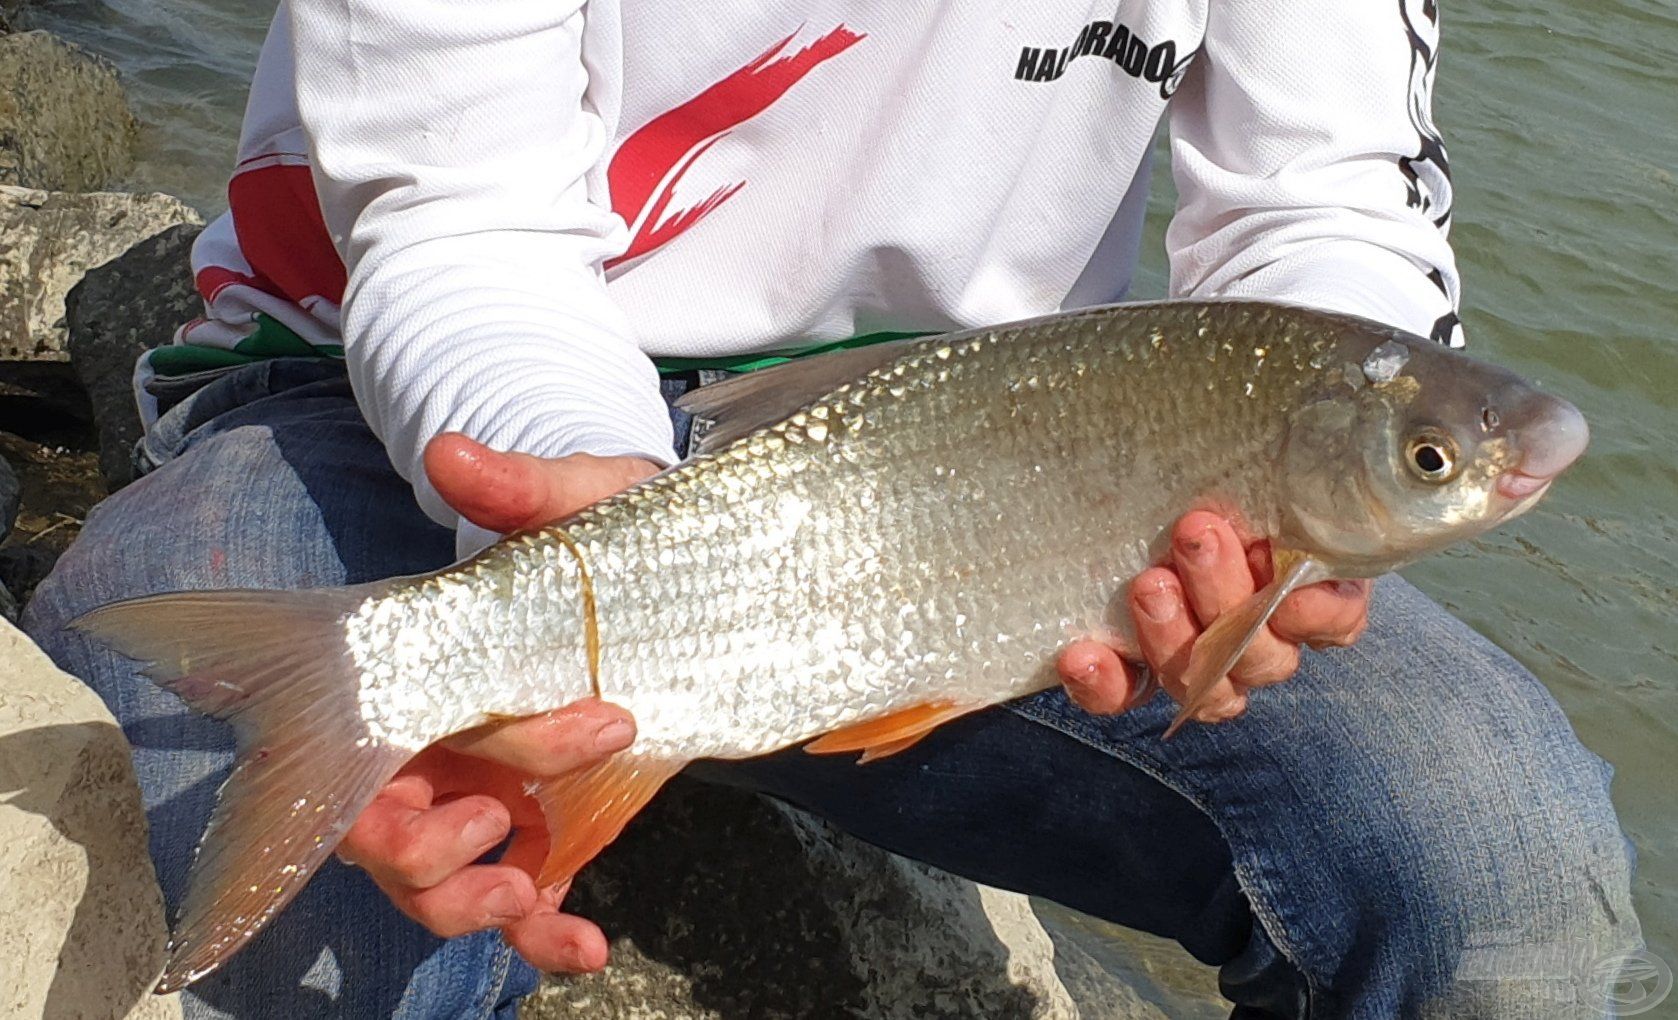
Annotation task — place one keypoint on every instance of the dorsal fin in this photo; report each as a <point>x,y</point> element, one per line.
<point>737,405</point>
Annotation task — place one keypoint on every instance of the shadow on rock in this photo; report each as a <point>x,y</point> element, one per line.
<point>83,873</point>
<point>717,908</point>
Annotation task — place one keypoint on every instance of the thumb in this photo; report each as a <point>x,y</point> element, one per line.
<point>506,492</point>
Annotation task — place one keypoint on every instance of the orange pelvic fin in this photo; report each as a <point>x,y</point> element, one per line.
<point>888,734</point>
<point>586,810</point>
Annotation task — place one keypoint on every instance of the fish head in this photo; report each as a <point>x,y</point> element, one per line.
<point>1412,446</point>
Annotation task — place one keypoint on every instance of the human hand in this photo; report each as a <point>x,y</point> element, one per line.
<point>459,799</point>
<point>1211,572</point>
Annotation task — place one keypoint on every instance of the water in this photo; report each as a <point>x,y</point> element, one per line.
<point>1562,120</point>
<point>187,66</point>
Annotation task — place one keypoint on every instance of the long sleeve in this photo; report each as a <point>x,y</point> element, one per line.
<point>451,143</point>
<point>1307,165</point>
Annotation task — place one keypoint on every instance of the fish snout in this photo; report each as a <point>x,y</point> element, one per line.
<point>1550,434</point>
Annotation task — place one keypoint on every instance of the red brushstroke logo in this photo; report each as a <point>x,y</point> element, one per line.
<point>650,163</point>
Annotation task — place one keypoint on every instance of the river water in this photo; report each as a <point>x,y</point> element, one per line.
<point>1562,121</point>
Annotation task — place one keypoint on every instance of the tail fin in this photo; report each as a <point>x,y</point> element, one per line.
<point>273,663</point>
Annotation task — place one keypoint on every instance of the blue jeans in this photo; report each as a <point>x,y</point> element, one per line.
<point>1408,827</point>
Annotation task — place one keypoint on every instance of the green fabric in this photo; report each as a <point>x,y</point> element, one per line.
<point>273,339</point>
<point>753,362</point>
<point>185,359</point>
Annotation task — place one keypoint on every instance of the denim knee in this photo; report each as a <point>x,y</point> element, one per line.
<point>1543,931</point>
<point>1496,881</point>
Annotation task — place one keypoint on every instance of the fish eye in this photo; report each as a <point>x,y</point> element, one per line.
<point>1432,457</point>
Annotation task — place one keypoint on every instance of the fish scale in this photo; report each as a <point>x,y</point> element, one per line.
<point>867,544</point>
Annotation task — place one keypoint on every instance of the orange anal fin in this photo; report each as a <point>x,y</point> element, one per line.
<point>586,810</point>
<point>879,751</point>
<point>888,734</point>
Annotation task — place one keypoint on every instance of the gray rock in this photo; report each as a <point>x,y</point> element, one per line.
<point>64,120</point>
<point>127,306</point>
<point>51,239</point>
<point>724,906</point>
<point>11,495</point>
<point>82,933</point>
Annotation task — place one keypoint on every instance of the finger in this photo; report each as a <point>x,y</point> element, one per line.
<point>418,849</point>
<point>558,943</point>
<point>402,796</point>
<point>1096,679</point>
<point>1165,628</point>
<point>552,743</point>
<point>1227,703</point>
<point>502,492</point>
<point>1268,660</point>
<point>1332,613</point>
<point>472,899</point>
<point>1213,565</point>
<point>1220,574</point>
<point>513,491</point>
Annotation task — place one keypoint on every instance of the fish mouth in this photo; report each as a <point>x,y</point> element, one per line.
<point>1554,437</point>
<point>1517,485</point>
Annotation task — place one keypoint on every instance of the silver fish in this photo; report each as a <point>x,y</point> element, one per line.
<point>867,544</point>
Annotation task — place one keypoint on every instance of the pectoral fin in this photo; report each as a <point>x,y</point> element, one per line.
<point>888,734</point>
<point>1216,651</point>
<point>586,810</point>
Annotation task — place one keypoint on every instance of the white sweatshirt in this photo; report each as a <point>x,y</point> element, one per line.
<point>519,202</point>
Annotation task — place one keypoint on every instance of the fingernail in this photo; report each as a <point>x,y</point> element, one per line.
<point>501,904</point>
<point>1160,605</point>
<point>482,830</point>
<point>1200,550</point>
<point>614,736</point>
<point>1348,589</point>
<point>575,961</point>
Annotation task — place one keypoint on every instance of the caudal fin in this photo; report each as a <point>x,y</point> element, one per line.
<point>274,664</point>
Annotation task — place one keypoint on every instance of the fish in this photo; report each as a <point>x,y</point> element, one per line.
<point>863,546</point>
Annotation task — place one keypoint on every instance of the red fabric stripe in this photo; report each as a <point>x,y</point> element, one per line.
<point>282,235</point>
<point>677,137</point>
